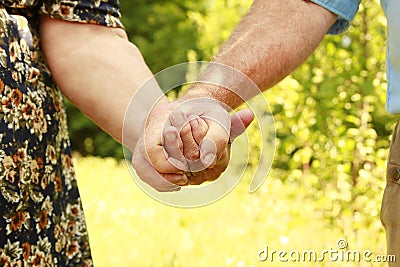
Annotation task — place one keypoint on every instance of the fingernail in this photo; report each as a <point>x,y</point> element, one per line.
<point>208,158</point>
<point>178,118</point>
<point>194,123</point>
<point>171,137</point>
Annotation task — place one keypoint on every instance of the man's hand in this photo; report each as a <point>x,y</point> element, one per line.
<point>213,142</point>
<point>187,139</point>
<point>192,133</point>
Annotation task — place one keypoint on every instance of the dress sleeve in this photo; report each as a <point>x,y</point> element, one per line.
<point>101,12</point>
<point>345,9</point>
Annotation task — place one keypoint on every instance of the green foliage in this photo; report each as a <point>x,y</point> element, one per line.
<point>162,29</point>
<point>215,25</point>
<point>332,128</point>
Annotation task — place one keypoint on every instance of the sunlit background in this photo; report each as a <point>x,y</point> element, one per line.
<point>328,173</point>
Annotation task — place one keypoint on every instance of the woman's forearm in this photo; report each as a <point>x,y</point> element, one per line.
<point>99,70</point>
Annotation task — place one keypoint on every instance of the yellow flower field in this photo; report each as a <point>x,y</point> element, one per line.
<point>128,228</point>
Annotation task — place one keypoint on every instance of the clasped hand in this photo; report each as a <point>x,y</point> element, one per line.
<point>187,143</point>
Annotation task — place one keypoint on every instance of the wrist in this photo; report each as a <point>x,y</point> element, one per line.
<point>221,95</point>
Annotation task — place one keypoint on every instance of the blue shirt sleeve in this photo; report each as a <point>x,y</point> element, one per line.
<point>345,9</point>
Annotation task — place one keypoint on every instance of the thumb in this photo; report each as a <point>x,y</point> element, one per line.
<point>240,121</point>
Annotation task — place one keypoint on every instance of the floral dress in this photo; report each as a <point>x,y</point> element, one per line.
<point>41,217</point>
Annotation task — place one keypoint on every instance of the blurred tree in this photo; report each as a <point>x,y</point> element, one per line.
<point>162,29</point>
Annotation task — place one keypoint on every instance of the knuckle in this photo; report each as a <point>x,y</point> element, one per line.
<point>199,135</point>
<point>186,130</point>
<point>148,150</point>
<point>177,164</point>
<point>214,174</point>
<point>197,180</point>
<point>192,152</point>
<point>162,167</point>
<point>193,156</point>
<point>221,142</point>
<point>159,165</point>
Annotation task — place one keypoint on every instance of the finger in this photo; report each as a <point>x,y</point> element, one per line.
<point>159,159</point>
<point>239,122</point>
<point>208,108</point>
<point>191,134</point>
<point>211,173</point>
<point>157,156</point>
<point>178,119</point>
<point>199,128</point>
<point>197,179</point>
<point>214,143</point>
<point>223,161</point>
<point>150,176</point>
<point>173,147</point>
<point>153,139</point>
<point>178,179</point>
<point>191,150</point>
<point>208,153</point>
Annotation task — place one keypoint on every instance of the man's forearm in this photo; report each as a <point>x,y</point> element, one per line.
<point>271,41</point>
<point>99,70</point>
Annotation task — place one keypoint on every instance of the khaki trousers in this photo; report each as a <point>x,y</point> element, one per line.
<point>390,212</point>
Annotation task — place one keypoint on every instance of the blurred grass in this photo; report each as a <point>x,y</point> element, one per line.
<point>128,228</point>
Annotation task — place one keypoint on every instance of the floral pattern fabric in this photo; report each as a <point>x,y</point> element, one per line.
<point>41,217</point>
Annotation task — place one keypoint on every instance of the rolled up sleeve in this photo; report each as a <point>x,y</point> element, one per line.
<point>345,9</point>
